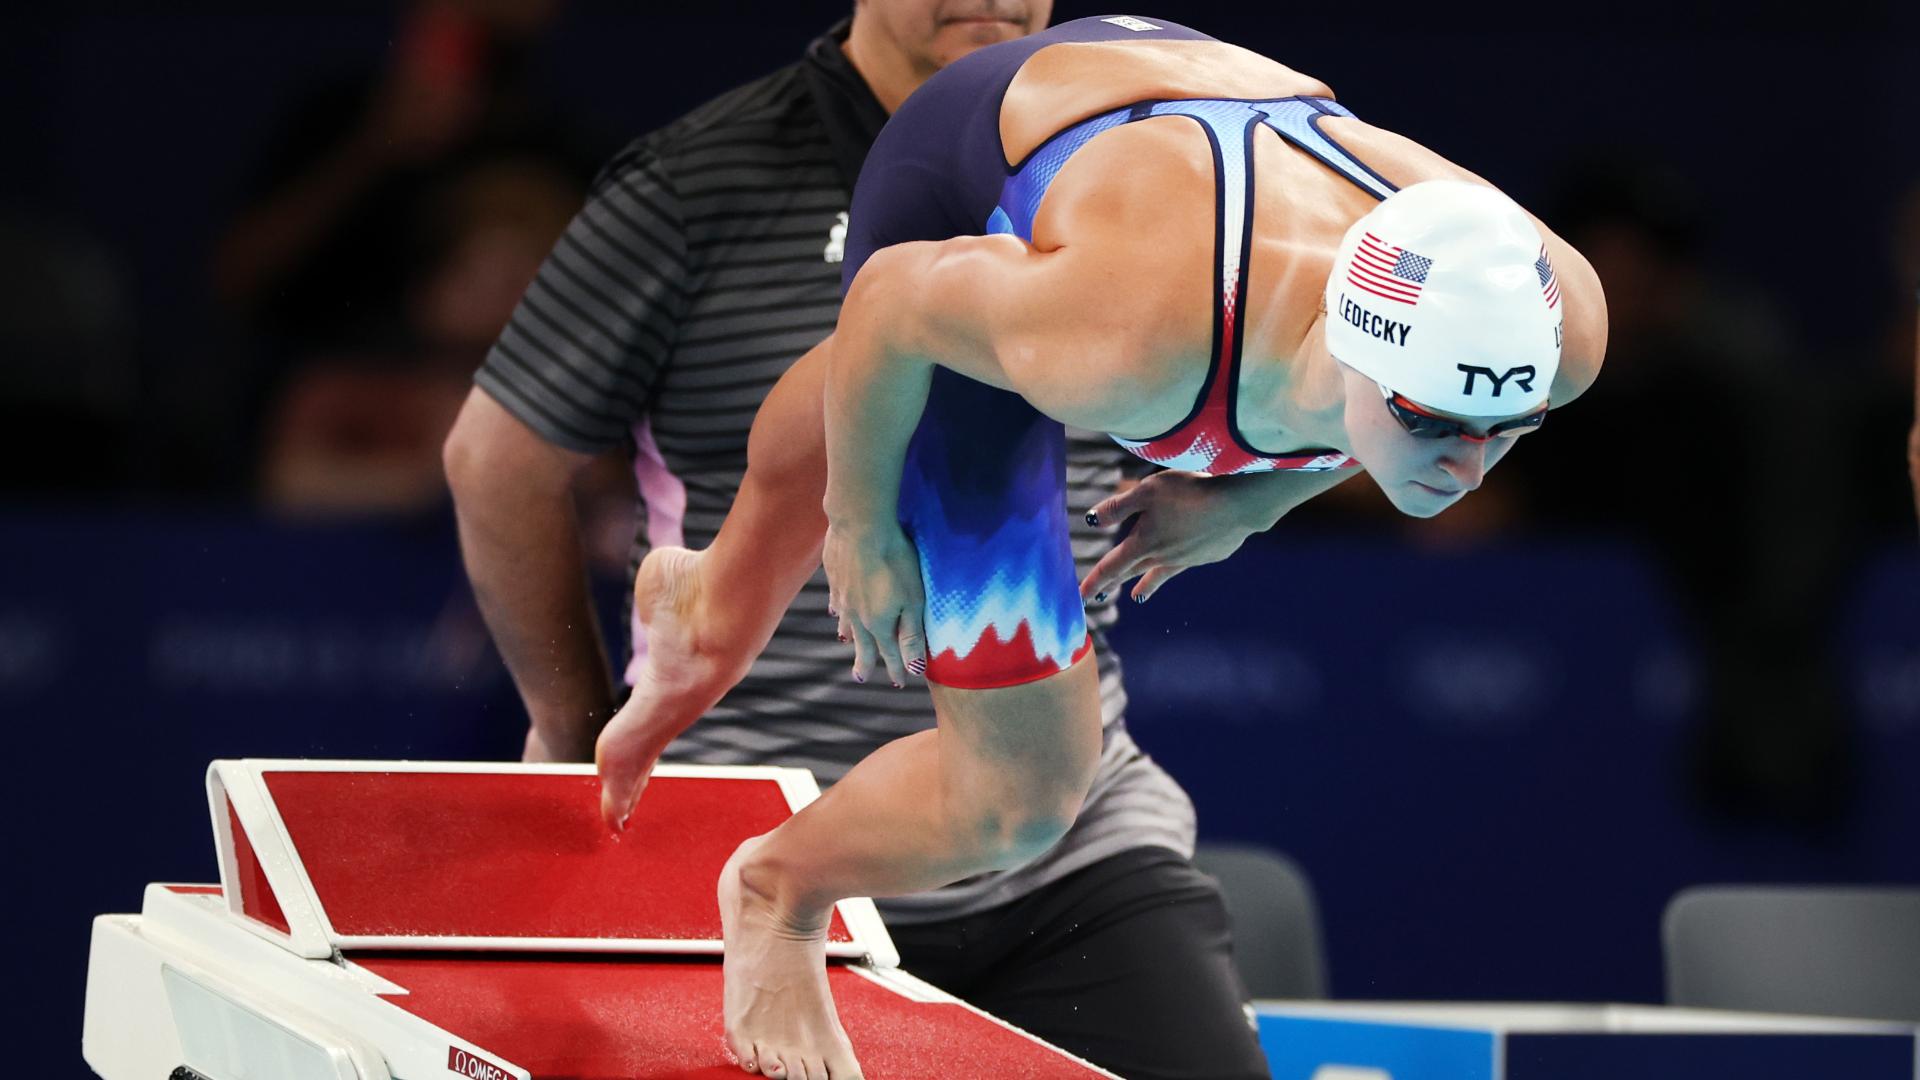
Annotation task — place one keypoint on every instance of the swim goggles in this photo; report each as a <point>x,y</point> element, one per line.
<point>1422,424</point>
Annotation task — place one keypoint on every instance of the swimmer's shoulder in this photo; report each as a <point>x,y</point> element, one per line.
<point>1132,214</point>
<point>1142,198</point>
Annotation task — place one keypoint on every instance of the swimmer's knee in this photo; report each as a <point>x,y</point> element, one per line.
<point>1019,765</point>
<point>1007,841</point>
<point>1018,827</point>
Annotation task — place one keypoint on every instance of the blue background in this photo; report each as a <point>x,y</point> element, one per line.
<point>1483,757</point>
<point>1484,779</point>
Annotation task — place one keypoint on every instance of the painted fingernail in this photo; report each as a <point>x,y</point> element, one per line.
<point>843,638</point>
<point>1099,598</point>
<point>1139,599</point>
<point>917,667</point>
<point>898,686</point>
<point>857,677</point>
<point>1093,518</point>
<point>833,613</point>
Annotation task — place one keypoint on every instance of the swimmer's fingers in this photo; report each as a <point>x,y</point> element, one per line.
<point>913,640</point>
<point>864,651</point>
<point>1116,509</point>
<point>887,640</point>
<point>1150,583</point>
<point>1122,562</point>
<point>897,634</point>
<point>837,609</point>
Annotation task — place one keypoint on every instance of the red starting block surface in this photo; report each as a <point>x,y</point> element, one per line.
<point>401,920</point>
<point>647,1019</point>
<point>498,855</point>
<point>405,856</point>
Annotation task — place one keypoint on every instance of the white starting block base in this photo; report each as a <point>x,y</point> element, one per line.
<point>344,860</point>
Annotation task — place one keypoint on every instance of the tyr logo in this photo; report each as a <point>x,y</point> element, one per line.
<point>1522,376</point>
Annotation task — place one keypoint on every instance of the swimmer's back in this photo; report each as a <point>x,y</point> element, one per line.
<point>946,142</point>
<point>1070,81</point>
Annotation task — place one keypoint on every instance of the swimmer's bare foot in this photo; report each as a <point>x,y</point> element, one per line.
<point>679,681</point>
<point>778,1008</point>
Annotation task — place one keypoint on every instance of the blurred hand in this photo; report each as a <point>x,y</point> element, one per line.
<point>435,92</point>
<point>1187,519</point>
<point>873,581</point>
<point>1913,461</point>
<point>412,121</point>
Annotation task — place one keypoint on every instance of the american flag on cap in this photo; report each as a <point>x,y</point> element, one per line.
<point>1549,283</point>
<point>1387,270</point>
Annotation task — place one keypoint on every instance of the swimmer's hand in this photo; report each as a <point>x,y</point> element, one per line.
<point>873,581</point>
<point>1186,519</point>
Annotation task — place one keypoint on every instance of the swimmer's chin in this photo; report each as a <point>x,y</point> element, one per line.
<point>1418,500</point>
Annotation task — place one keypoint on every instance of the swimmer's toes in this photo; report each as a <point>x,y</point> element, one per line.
<point>742,1053</point>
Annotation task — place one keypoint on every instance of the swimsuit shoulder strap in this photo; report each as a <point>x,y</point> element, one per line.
<point>1229,126</point>
<point>1209,438</point>
<point>1298,121</point>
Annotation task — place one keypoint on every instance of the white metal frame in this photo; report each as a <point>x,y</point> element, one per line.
<point>129,1027</point>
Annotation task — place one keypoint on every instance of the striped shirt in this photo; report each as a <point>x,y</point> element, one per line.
<point>705,262</point>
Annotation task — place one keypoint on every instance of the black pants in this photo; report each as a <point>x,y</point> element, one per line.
<point>1127,963</point>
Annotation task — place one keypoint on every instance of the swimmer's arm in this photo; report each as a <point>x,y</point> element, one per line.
<point>1184,519</point>
<point>987,307</point>
<point>1265,498</point>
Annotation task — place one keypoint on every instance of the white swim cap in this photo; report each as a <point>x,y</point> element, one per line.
<point>1444,294</point>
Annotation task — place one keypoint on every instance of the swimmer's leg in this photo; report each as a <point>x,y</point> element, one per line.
<point>995,785</point>
<point>708,613</point>
<point>983,497</point>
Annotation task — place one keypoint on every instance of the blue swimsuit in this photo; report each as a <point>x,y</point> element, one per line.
<point>982,493</point>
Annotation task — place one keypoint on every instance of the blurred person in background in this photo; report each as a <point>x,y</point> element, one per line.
<point>69,376</point>
<point>707,260</point>
<point>394,224</point>
<point>361,431</point>
<point>1749,573</point>
<point>1902,342</point>
<point>323,253</point>
<point>1881,407</point>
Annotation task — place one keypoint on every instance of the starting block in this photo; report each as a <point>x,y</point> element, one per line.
<point>402,921</point>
